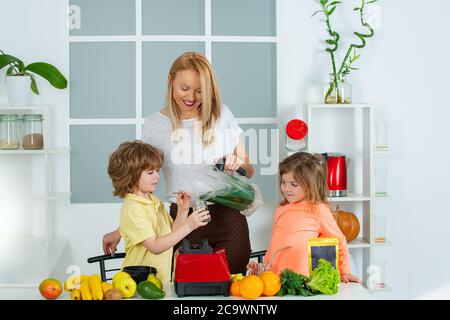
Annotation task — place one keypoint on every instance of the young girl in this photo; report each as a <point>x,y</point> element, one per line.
<point>149,231</point>
<point>304,213</point>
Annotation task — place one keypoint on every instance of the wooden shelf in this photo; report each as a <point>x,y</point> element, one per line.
<point>358,244</point>
<point>383,244</point>
<point>12,109</point>
<point>351,197</point>
<point>42,151</point>
<point>340,106</point>
<point>20,151</point>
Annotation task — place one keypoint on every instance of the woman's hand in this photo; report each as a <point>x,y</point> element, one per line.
<point>348,277</point>
<point>183,202</point>
<point>110,242</point>
<point>232,163</point>
<point>198,218</point>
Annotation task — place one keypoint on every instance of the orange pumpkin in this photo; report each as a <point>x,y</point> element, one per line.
<point>347,222</point>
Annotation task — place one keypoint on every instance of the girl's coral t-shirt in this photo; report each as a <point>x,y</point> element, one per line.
<point>293,225</point>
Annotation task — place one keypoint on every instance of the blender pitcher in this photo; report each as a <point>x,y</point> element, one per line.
<point>231,190</point>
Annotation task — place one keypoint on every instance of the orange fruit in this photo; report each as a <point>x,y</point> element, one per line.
<point>271,282</point>
<point>235,289</point>
<point>251,287</point>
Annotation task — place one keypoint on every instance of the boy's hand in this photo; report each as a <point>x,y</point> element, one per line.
<point>183,202</point>
<point>348,277</point>
<point>198,218</point>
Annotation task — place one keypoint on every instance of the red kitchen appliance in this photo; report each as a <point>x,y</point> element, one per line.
<point>201,270</point>
<point>337,174</point>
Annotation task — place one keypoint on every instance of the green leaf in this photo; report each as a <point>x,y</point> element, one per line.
<point>334,2</point>
<point>33,84</point>
<point>331,11</point>
<point>372,1</point>
<point>323,2</point>
<point>6,59</point>
<point>333,42</point>
<point>48,72</point>
<point>356,9</point>
<point>317,12</point>
<point>10,71</point>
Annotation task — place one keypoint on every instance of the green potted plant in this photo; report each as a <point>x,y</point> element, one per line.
<point>338,91</point>
<point>21,77</point>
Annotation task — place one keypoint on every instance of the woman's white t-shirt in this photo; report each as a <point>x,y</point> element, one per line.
<point>184,154</point>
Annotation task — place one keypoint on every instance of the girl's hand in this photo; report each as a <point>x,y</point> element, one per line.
<point>183,202</point>
<point>198,218</point>
<point>252,268</point>
<point>232,163</point>
<point>348,277</point>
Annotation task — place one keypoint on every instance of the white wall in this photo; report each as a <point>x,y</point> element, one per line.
<point>404,74</point>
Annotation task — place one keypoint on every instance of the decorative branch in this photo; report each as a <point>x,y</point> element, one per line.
<point>361,36</point>
<point>346,65</point>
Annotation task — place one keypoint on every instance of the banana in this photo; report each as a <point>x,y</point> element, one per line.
<point>106,286</point>
<point>236,277</point>
<point>73,281</point>
<point>95,282</point>
<point>75,294</point>
<point>85,290</point>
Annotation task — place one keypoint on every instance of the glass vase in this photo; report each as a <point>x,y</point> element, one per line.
<point>337,92</point>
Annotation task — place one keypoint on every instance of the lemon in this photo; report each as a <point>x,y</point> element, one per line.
<point>154,279</point>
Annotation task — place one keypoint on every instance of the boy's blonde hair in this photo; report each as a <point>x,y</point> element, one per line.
<point>128,162</point>
<point>310,172</point>
<point>209,109</point>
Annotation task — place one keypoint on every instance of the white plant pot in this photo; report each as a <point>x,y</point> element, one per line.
<point>18,90</point>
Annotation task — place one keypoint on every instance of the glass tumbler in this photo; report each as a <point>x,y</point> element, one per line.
<point>381,182</point>
<point>381,131</point>
<point>200,204</point>
<point>379,274</point>
<point>380,228</point>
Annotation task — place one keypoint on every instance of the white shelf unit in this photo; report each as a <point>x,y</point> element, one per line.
<point>348,129</point>
<point>30,260</point>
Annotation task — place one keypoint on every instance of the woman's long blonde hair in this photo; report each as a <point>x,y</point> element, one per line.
<point>310,172</point>
<point>209,109</point>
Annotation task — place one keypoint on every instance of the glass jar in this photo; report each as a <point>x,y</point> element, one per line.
<point>33,138</point>
<point>9,132</point>
<point>342,94</point>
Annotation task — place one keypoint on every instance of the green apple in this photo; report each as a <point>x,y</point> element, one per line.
<point>127,286</point>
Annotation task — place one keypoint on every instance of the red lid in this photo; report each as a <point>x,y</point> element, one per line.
<point>296,129</point>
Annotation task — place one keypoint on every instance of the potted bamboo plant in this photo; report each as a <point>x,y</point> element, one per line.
<point>20,78</point>
<point>338,91</point>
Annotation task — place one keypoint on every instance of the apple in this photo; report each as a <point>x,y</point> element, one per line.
<point>50,288</point>
<point>127,286</point>
<point>119,275</point>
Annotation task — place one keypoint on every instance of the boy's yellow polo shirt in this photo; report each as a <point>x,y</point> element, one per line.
<point>140,219</point>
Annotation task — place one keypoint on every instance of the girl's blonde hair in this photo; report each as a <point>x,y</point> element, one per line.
<point>310,172</point>
<point>209,109</point>
<point>128,162</point>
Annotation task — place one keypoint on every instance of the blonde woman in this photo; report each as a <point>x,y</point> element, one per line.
<point>194,129</point>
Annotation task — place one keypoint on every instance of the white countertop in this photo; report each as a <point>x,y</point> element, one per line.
<point>347,291</point>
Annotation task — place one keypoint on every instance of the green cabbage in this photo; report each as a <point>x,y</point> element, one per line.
<point>324,278</point>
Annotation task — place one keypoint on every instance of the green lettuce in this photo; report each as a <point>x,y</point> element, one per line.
<point>324,278</point>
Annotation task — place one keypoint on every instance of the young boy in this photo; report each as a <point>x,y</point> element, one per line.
<point>148,230</point>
